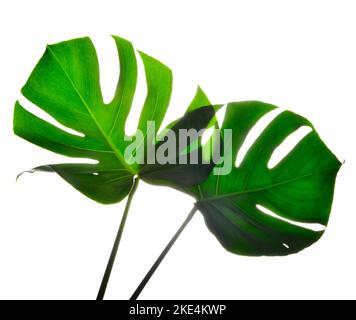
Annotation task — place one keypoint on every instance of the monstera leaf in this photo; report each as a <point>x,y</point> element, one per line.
<point>255,210</point>
<point>65,84</point>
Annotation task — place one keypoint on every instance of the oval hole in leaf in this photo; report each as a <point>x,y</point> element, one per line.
<point>207,135</point>
<point>109,67</point>
<point>138,100</point>
<point>288,145</point>
<point>39,113</point>
<point>182,94</point>
<point>254,133</point>
<point>309,226</point>
<point>220,115</point>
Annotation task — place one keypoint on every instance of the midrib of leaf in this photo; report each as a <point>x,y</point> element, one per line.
<point>241,193</point>
<point>110,170</point>
<point>107,138</point>
<point>86,149</point>
<point>200,192</point>
<point>112,180</point>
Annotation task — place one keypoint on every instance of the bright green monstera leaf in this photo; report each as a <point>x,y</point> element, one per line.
<point>252,210</point>
<point>65,84</point>
<point>255,210</point>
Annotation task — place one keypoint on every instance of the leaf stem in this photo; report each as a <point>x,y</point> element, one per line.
<point>113,254</point>
<point>162,256</point>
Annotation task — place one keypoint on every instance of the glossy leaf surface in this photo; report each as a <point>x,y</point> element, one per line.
<point>65,84</point>
<point>255,210</point>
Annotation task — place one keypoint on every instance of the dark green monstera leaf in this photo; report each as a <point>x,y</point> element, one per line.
<point>65,84</point>
<point>299,189</point>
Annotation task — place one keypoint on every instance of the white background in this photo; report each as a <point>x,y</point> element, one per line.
<point>300,55</point>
